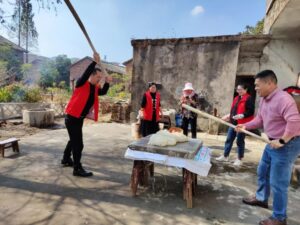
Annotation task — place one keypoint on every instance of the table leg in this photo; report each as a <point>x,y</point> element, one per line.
<point>194,183</point>
<point>139,175</point>
<point>184,183</point>
<point>151,169</point>
<point>143,175</point>
<point>135,175</point>
<point>148,170</point>
<point>189,186</point>
<point>15,147</point>
<point>2,150</point>
<point>189,190</point>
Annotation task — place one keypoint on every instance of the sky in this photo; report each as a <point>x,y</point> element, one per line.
<point>112,24</point>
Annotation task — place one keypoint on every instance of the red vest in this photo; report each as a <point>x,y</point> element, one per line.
<point>148,110</point>
<point>241,108</point>
<point>293,90</point>
<point>80,98</point>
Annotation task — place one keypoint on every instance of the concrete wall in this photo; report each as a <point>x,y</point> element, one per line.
<point>269,4</point>
<point>282,19</point>
<point>274,8</point>
<point>14,110</point>
<point>282,56</point>
<point>211,67</point>
<point>248,66</point>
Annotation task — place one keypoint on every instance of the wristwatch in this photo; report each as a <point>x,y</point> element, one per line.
<point>281,141</point>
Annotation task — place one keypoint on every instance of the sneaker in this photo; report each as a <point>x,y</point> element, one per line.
<point>238,162</point>
<point>222,158</point>
<point>67,162</point>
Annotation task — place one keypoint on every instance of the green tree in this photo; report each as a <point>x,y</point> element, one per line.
<point>23,25</point>
<point>5,95</point>
<point>62,64</point>
<point>25,68</point>
<point>3,72</point>
<point>13,64</point>
<point>33,94</point>
<point>257,29</point>
<point>2,20</point>
<point>44,4</point>
<point>56,72</point>
<point>49,75</point>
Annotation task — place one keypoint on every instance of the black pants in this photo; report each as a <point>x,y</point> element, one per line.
<point>148,127</point>
<point>75,144</point>
<point>185,125</point>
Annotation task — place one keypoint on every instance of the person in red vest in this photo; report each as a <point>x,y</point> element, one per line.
<point>293,90</point>
<point>84,103</point>
<point>242,111</point>
<point>150,110</point>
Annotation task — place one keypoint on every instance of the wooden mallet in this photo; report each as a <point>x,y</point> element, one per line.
<point>77,18</point>
<point>206,115</point>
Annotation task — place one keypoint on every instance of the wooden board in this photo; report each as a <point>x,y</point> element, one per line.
<point>8,141</point>
<point>186,150</point>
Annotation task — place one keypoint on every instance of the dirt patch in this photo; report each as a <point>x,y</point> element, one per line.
<point>16,128</point>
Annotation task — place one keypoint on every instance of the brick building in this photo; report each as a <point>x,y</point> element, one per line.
<point>128,64</point>
<point>78,68</point>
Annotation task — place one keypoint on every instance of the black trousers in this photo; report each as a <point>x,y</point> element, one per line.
<point>148,127</point>
<point>75,144</point>
<point>185,126</point>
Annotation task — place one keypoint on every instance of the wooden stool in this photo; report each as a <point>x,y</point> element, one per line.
<point>11,142</point>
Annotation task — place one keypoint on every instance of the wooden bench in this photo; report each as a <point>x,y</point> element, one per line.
<point>11,142</point>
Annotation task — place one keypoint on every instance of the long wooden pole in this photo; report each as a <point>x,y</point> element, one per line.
<point>206,115</point>
<point>77,18</point>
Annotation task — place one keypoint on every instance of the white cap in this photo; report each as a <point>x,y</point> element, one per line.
<point>188,86</point>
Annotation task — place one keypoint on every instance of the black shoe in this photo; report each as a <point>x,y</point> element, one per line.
<point>67,162</point>
<point>81,173</point>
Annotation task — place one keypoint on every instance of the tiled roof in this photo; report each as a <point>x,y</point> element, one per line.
<point>127,62</point>
<point>111,67</point>
<point>3,40</point>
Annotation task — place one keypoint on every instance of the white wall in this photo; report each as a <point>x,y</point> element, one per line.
<point>283,57</point>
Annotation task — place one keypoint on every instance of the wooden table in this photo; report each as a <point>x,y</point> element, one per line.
<point>142,168</point>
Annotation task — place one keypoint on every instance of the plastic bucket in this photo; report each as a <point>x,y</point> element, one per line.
<point>178,120</point>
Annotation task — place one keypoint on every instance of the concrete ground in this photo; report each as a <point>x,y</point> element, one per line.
<point>35,189</point>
